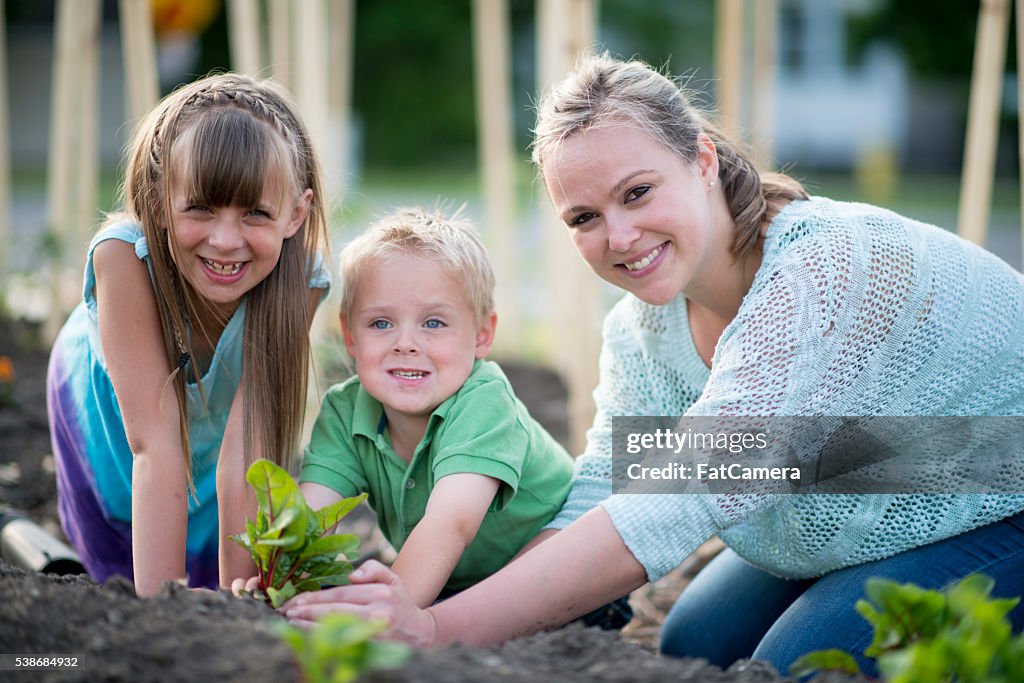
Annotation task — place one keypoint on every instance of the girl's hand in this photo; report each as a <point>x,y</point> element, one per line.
<point>375,593</point>
<point>239,586</point>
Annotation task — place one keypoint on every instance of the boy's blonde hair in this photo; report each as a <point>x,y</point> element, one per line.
<point>450,241</point>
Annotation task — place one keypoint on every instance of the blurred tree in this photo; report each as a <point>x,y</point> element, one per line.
<point>937,41</point>
<point>413,88</point>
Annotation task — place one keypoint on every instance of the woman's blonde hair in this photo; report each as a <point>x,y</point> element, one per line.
<point>223,141</point>
<point>602,90</point>
<point>449,241</point>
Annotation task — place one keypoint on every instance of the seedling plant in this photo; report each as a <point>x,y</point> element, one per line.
<point>340,647</point>
<point>959,634</point>
<point>292,544</point>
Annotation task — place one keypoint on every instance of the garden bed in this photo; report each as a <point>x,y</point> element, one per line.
<point>183,635</point>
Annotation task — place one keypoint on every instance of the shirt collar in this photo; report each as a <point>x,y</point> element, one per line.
<point>368,413</point>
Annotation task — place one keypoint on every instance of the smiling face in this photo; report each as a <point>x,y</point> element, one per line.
<point>234,198</point>
<point>413,335</point>
<point>643,218</point>
<point>225,251</point>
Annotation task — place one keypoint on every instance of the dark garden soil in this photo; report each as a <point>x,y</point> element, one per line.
<point>183,635</point>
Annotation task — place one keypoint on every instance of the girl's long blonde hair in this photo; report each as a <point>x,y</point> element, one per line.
<point>221,139</point>
<point>602,90</point>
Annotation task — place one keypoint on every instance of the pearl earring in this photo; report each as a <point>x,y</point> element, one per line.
<point>711,183</point>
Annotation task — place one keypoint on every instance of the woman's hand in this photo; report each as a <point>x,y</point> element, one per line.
<point>375,593</point>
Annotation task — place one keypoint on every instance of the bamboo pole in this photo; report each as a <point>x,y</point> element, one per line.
<point>279,20</point>
<point>5,153</point>
<point>87,110</point>
<point>565,29</point>
<point>729,64</point>
<point>766,29</point>
<point>1020,116</point>
<point>309,83</point>
<point>983,120</point>
<point>139,54</point>
<point>244,32</point>
<point>309,33</point>
<point>64,133</point>
<point>341,16</point>
<point>62,129</point>
<point>495,145</point>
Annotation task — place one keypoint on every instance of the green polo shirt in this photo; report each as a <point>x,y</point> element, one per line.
<point>483,428</point>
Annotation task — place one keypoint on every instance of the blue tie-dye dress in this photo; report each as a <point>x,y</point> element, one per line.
<point>91,453</point>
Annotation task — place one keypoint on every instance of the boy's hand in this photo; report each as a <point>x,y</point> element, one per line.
<point>239,586</point>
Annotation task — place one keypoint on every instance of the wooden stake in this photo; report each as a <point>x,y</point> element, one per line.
<point>279,21</point>
<point>1020,116</point>
<point>87,111</point>
<point>565,29</point>
<point>341,16</point>
<point>62,129</point>
<point>244,40</point>
<point>310,76</point>
<point>729,64</point>
<point>495,144</point>
<point>64,134</point>
<point>983,120</point>
<point>766,28</point>
<point>5,154</point>
<point>139,54</point>
<point>309,83</point>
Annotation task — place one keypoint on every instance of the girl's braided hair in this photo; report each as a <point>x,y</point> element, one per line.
<point>224,141</point>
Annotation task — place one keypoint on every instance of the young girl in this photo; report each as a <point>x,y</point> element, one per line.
<point>745,297</point>
<point>188,357</point>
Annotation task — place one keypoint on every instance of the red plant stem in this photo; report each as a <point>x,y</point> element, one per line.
<point>274,559</point>
<point>291,572</point>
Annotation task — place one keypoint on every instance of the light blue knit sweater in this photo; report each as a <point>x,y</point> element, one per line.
<point>854,311</point>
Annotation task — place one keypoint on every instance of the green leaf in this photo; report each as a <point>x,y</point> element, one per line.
<point>279,596</point>
<point>340,647</point>
<point>824,660</point>
<point>958,634</point>
<point>324,581</point>
<point>332,546</point>
<point>386,655</point>
<point>329,516</point>
<point>287,540</point>
<point>290,542</point>
<point>277,494</point>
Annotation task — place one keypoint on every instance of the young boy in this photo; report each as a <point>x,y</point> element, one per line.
<point>459,474</point>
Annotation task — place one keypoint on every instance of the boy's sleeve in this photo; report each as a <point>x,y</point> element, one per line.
<point>330,458</point>
<point>482,434</point>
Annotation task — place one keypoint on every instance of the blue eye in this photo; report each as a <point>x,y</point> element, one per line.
<point>380,324</point>
<point>259,213</point>
<point>433,324</point>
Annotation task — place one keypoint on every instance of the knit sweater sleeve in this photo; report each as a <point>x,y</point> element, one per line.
<point>763,362</point>
<point>642,372</point>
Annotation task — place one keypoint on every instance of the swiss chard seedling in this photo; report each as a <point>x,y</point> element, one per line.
<point>958,634</point>
<point>291,543</point>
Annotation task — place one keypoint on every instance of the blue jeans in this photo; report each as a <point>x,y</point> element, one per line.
<point>733,610</point>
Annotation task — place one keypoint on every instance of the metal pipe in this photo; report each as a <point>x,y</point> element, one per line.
<point>26,545</point>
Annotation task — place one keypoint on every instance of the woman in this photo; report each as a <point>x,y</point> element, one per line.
<point>744,298</point>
